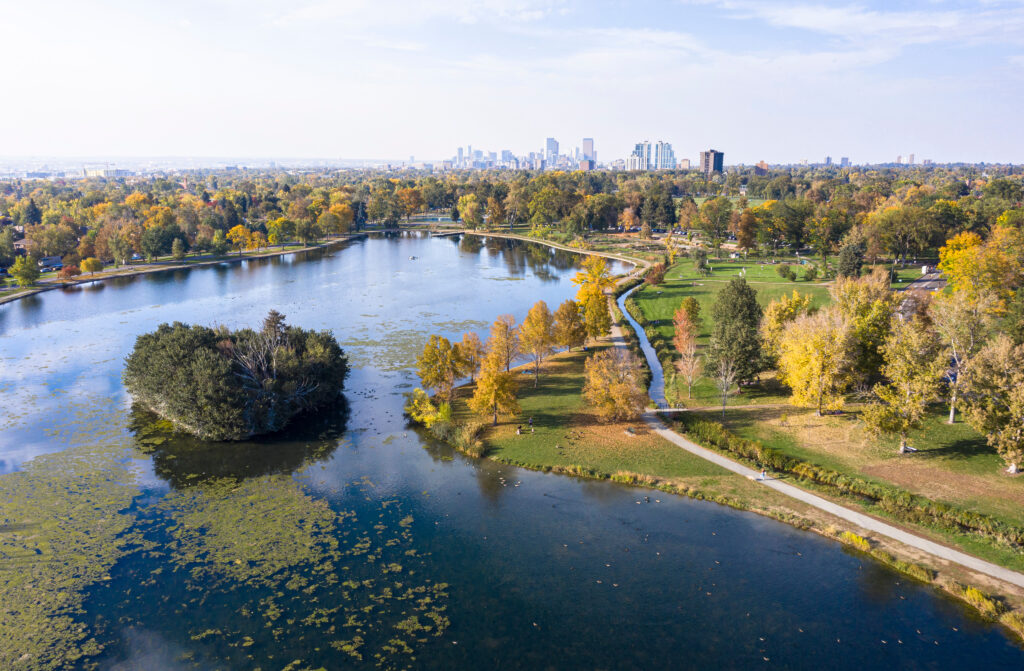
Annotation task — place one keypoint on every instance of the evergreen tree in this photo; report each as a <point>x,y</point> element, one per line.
<point>735,334</point>
<point>851,260</point>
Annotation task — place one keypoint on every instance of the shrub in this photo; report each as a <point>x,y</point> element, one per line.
<point>856,541</point>
<point>810,273</point>
<point>67,272</point>
<point>985,605</point>
<point>1014,620</point>
<point>655,275</point>
<point>785,272</point>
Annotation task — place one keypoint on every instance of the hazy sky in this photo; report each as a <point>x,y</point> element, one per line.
<point>391,78</point>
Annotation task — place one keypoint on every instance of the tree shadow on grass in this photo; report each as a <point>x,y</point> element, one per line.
<point>962,450</point>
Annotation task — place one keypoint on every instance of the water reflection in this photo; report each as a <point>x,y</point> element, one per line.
<point>184,460</point>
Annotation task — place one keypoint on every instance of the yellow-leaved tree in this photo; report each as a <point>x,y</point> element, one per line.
<point>594,278</point>
<point>471,353</point>
<point>815,355</point>
<point>868,304</point>
<point>975,266</point>
<point>240,238</point>
<point>569,328</point>
<point>537,336</point>
<point>504,341</point>
<point>995,404</point>
<point>495,390</point>
<point>779,313</point>
<point>438,366</point>
<point>963,322</point>
<point>613,384</point>
<point>914,363</point>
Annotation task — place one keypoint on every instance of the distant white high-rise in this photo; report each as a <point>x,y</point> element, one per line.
<point>646,156</point>
<point>664,157</point>
<point>910,160</point>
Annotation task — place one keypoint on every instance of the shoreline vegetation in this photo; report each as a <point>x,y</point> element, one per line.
<point>564,438</point>
<point>150,268</point>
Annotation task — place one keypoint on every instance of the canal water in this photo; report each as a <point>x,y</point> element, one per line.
<point>351,541</point>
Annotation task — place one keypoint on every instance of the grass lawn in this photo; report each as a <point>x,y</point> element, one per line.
<point>566,433</point>
<point>568,438</point>
<point>658,305</point>
<point>953,463</point>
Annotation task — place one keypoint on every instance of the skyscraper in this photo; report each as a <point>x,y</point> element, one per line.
<point>844,162</point>
<point>828,161</point>
<point>664,157</point>
<point>550,149</point>
<point>640,159</point>
<point>588,149</point>
<point>711,161</point>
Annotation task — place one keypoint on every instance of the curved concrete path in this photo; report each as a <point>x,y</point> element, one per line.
<point>860,519</point>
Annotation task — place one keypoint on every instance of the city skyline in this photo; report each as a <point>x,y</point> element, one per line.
<point>319,79</point>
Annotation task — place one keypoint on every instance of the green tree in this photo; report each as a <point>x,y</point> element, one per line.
<point>438,366</point>
<point>470,211</point>
<point>570,331</point>
<point>178,250</point>
<point>735,336</point>
<point>25,270</point>
<point>537,336</point>
<point>714,217</point>
<point>6,246</point>
<point>851,260</point>
<point>914,362</point>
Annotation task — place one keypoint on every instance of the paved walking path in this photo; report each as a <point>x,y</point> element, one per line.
<point>860,519</point>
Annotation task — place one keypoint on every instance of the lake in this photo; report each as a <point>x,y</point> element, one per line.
<point>352,541</point>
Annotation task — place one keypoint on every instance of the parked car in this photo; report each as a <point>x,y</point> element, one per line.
<point>48,263</point>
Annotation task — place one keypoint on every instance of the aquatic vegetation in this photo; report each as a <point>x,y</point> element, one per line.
<point>62,530</point>
<point>251,560</point>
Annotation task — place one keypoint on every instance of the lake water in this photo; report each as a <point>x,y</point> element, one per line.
<point>350,541</point>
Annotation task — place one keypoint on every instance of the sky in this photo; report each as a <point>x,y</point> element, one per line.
<point>390,79</point>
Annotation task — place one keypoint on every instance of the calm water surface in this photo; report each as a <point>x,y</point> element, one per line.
<point>350,541</point>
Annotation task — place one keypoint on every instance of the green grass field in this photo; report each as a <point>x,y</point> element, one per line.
<point>566,434</point>
<point>659,303</point>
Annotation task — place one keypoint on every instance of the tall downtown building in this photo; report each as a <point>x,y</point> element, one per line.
<point>550,149</point>
<point>646,156</point>
<point>588,149</point>
<point>711,161</point>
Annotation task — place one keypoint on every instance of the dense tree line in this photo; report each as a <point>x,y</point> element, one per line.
<point>879,213</point>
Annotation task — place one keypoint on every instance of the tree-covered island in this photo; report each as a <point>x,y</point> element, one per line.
<point>229,385</point>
